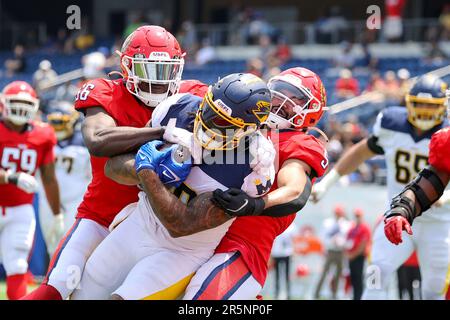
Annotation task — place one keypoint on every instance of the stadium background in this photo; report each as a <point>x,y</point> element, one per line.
<point>363,70</point>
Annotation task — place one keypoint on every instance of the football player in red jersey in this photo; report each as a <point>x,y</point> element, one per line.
<point>117,112</point>
<point>239,267</point>
<point>25,146</point>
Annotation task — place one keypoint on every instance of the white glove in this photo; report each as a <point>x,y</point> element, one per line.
<point>23,181</point>
<point>176,135</point>
<point>263,153</point>
<point>56,232</point>
<point>319,189</point>
<point>183,138</point>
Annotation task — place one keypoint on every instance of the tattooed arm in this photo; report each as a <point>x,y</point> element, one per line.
<point>121,169</point>
<point>181,219</point>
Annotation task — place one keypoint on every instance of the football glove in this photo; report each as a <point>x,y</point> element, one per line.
<point>56,232</point>
<point>149,157</point>
<point>23,181</point>
<point>175,166</point>
<point>236,202</point>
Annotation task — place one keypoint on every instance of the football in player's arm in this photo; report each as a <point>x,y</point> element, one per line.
<point>422,192</point>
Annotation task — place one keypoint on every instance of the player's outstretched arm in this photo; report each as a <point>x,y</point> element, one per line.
<point>180,219</point>
<point>294,188</point>
<point>104,138</point>
<point>349,162</point>
<point>121,169</point>
<point>51,187</point>
<point>413,200</point>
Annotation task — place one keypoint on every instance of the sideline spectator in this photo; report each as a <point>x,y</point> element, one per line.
<point>18,63</point>
<point>444,20</point>
<point>206,53</point>
<point>255,66</point>
<point>44,74</point>
<point>282,251</point>
<point>392,88</point>
<point>358,247</point>
<point>334,231</point>
<point>393,24</point>
<point>403,76</point>
<point>408,274</point>
<point>345,58</point>
<point>283,51</point>
<point>346,86</point>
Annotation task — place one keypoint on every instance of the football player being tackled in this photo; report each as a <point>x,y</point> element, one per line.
<point>239,267</point>
<point>158,243</point>
<point>299,101</point>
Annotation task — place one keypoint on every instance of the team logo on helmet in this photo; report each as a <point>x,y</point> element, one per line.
<point>262,110</point>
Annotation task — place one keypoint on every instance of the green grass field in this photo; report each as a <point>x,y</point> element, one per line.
<point>3,290</point>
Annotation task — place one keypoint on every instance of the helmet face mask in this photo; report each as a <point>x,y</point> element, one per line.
<point>153,81</point>
<point>152,64</point>
<point>426,102</point>
<point>293,103</point>
<point>232,109</point>
<point>214,129</point>
<point>19,108</point>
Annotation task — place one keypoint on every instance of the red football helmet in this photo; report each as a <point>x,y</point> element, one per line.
<point>20,102</point>
<point>298,99</point>
<point>152,63</point>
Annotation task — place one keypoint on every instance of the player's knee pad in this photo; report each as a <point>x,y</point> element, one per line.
<point>22,240</point>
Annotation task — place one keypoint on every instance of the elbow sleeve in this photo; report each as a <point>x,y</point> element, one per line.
<point>290,207</point>
<point>372,143</point>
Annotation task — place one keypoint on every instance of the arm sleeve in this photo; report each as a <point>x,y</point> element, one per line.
<point>372,143</point>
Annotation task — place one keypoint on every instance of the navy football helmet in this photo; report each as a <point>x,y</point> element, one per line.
<point>232,108</point>
<point>63,117</point>
<point>426,102</point>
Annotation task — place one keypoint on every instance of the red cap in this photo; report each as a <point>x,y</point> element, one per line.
<point>339,210</point>
<point>358,212</point>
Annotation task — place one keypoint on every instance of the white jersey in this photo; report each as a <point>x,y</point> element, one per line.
<point>405,154</point>
<point>73,173</point>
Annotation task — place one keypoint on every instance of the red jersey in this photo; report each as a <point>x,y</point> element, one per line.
<point>439,149</point>
<point>24,152</point>
<point>358,234</point>
<point>394,8</point>
<point>105,198</point>
<point>253,237</point>
<point>195,87</point>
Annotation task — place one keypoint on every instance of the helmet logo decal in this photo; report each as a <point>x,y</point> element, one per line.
<point>221,105</point>
<point>158,55</point>
<point>262,110</point>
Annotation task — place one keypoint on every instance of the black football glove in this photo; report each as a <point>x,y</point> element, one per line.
<point>237,203</point>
